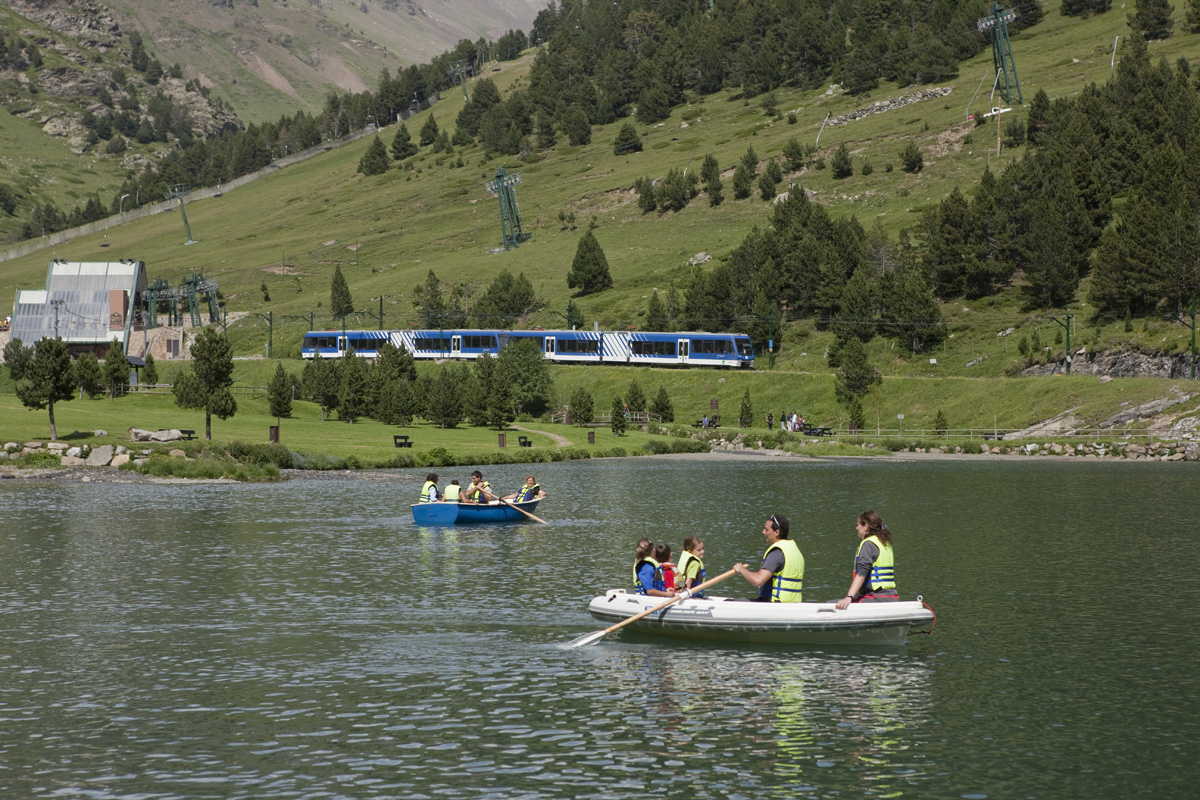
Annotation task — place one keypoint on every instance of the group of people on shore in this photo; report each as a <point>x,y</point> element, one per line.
<point>780,577</point>
<point>479,491</point>
<point>787,422</point>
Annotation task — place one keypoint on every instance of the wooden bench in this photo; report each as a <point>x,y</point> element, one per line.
<point>402,441</point>
<point>993,436</point>
<point>184,433</point>
<point>524,441</point>
<point>713,422</point>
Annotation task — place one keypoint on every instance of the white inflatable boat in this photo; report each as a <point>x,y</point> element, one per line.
<point>788,623</point>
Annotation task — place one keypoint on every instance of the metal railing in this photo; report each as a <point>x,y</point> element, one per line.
<point>162,389</point>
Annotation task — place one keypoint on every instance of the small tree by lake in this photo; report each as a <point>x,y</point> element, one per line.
<point>279,394</point>
<point>619,423</point>
<point>661,407</point>
<point>583,408</point>
<point>49,378</point>
<point>207,385</point>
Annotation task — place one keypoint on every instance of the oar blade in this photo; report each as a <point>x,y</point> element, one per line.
<point>586,639</point>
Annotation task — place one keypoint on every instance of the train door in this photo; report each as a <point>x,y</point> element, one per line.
<point>455,346</point>
<point>550,346</point>
<point>683,350</point>
<point>342,346</point>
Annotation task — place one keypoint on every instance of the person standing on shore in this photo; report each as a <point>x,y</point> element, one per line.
<point>874,564</point>
<point>770,420</point>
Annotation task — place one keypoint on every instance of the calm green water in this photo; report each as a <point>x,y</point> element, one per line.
<point>306,641</point>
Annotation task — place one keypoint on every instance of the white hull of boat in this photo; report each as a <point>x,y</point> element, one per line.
<point>732,620</point>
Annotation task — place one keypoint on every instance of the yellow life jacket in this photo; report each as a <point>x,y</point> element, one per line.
<point>452,493</point>
<point>689,563</point>
<point>476,495</point>
<point>787,585</point>
<point>883,573</point>
<point>428,492</point>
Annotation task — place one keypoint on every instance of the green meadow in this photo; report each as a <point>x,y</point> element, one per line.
<point>290,229</point>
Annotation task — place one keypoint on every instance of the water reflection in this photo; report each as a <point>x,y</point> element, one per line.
<point>306,640</point>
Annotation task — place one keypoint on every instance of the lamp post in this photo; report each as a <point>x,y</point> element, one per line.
<point>122,208</point>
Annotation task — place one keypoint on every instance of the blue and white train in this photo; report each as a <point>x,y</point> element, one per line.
<point>689,349</point>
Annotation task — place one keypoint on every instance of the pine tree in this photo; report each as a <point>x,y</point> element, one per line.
<point>856,375</point>
<point>89,376</point>
<point>843,167</point>
<point>1193,16</point>
<point>17,356</point>
<point>743,180</point>
<point>661,407</point>
<point>116,369</point>
<point>619,423</point>
<point>207,385</point>
<point>445,400</point>
<point>858,419</point>
<point>795,154</point>
<point>402,144</point>
<point>647,197</point>
<point>279,394</point>
<point>940,425</point>
<point>746,413</point>
<point>627,141</point>
<point>501,410</point>
<point>912,158</point>
<point>322,379</point>
<point>429,132</point>
<point>354,399</point>
<point>577,127</point>
<point>375,160</point>
<point>589,270</point>
<point>749,160</point>
<point>634,397</point>
<point>766,187</point>
<point>1152,19</point>
<point>340,303</point>
<point>529,376</point>
<point>857,312</point>
<point>582,406</point>
<point>656,314</point>
<point>49,378</point>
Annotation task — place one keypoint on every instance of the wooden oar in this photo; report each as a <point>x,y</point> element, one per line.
<point>589,638</point>
<point>518,508</point>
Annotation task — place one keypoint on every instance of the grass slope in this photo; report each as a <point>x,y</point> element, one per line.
<point>290,229</point>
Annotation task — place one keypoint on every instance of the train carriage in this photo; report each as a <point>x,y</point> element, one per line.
<point>687,348</point>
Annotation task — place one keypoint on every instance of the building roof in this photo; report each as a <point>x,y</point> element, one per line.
<point>76,304</point>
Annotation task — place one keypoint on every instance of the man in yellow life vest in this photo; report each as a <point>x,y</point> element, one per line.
<point>780,579</point>
<point>480,491</point>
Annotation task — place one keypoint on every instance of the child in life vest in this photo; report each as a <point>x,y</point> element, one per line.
<point>662,554</point>
<point>647,573</point>
<point>691,564</point>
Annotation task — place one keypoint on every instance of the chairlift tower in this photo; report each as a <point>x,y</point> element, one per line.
<point>996,26</point>
<point>510,218</point>
<point>179,190</point>
<point>460,69</point>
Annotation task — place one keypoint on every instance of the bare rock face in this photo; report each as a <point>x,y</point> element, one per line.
<point>88,29</point>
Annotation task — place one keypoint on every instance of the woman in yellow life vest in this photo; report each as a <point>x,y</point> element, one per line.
<point>429,492</point>
<point>453,493</point>
<point>874,564</point>
<point>780,579</point>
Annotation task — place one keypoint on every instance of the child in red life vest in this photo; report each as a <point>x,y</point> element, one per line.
<point>662,554</point>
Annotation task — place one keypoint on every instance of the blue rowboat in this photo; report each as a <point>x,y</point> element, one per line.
<point>470,513</point>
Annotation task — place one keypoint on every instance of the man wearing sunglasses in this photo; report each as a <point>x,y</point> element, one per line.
<point>780,579</point>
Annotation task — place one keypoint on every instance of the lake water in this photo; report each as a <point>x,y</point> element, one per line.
<point>305,640</point>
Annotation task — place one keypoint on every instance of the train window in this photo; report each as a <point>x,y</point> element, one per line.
<point>424,343</point>
<point>653,348</point>
<point>585,346</point>
<point>745,348</point>
<point>479,342</point>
